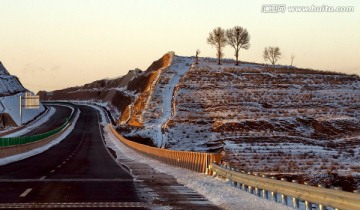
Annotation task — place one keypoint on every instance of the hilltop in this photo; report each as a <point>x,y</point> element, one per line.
<point>9,84</point>
<point>271,119</point>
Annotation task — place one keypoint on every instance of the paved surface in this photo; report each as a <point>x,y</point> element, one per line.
<point>161,189</point>
<point>81,173</point>
<point>77,173</point>
<point>55,121</point>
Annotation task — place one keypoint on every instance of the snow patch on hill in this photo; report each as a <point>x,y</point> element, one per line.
<point>161,101</point>
<point>11,105</point>
<point>10,91</point>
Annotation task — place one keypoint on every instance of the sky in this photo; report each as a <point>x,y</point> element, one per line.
<point>54,44</point>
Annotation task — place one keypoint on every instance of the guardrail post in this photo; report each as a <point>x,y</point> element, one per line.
<point>234,183</point>
<point>250,189</point>
<point>273,195</point>
<point>207,164</point>
<point>264,194</point>
<point>284,197</point>
<point>239,185</point>
<point>295,201</point>
<point>257,190</point>
<point>308,205</point>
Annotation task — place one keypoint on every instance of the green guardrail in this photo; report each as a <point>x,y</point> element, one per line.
<point>12,141</point>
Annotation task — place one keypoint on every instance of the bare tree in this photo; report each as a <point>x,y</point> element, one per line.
<point>197,56</point>
<point>238,37</point>
<point>292,59</point>
<point>218,39</point>
<point>272,54</point>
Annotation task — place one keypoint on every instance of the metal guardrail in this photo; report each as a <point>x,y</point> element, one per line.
<point>195,161</point>
<point>12,141</point>
<point>267,187</point>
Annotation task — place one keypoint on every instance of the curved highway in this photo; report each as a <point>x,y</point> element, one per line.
<point>55,121</point>
<point>77,173</point>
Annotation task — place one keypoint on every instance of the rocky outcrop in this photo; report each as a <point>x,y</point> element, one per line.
<point>10,91</point>
<point>9,84</point>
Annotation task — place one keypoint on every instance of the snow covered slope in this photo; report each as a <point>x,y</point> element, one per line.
<point>159,106</point>
<point>9,84</point>
<point>272,119</point>
<point>11,105</point>
<point>10,91</point>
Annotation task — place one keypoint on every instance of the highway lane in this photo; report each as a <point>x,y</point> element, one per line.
<point>55,121</point>
<point>78,172</point>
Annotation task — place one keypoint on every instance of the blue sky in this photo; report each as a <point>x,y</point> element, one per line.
<point>53,44</point>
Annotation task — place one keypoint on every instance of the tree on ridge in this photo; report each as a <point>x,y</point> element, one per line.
<point>238,37</point>
<point>217,38</point>
<point>272,54</point>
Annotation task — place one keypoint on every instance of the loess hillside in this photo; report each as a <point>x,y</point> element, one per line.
<point>269,119</point>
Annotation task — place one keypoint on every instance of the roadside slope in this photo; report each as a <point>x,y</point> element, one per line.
<point>10,91</point>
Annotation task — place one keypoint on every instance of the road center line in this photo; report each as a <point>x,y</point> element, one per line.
<point>74,205</point>
<point>26,192</point>
<point>43,177</point>
<point>69,180</point>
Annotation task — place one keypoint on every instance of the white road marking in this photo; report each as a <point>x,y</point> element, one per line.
<point>26,192</point>
<point>52,171</point>
<point>67,180</point>
<point>59,166</point>
<point>43,177</point>
<point>76,205</point>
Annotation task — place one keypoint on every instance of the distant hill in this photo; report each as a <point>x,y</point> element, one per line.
<point>272,119</point>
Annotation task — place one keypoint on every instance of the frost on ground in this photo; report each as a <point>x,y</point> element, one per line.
<point>160,101</point>
<point>18,157</point>
<point>218,191</point>
<point>272,120</point>
<point>280,120</point>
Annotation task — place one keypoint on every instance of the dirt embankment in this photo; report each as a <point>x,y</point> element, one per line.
<point>143,85</point>
<point>318,129</point>
<point>6,120</point>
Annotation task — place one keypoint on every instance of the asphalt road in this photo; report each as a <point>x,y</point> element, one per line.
<point>78,172</point>
<point>55,121</point>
